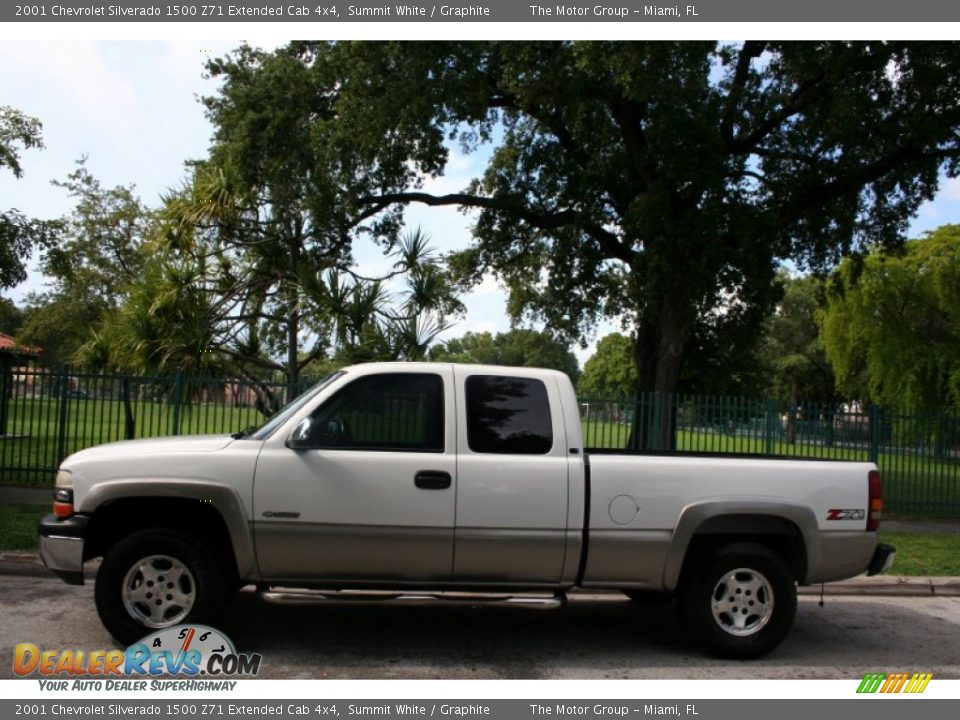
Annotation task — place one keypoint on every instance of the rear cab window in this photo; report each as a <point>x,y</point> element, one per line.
<point>508,415</point>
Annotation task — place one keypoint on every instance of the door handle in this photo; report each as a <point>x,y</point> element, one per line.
<point>432,480</point>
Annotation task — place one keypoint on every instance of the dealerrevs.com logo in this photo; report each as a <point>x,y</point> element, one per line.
<point>183,651</point>
<point>888,683</point>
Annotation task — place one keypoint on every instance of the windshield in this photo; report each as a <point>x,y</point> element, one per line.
<point>282,415</point>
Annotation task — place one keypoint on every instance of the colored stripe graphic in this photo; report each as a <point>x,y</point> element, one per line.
<point>871,682</point>
<point>919,684</point>
<point>894,683</point>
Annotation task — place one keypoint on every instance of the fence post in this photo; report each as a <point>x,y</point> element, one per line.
<point>769,413</point>
<point>177,401</point>
<point>634,438</point>
<point>62,414</point>
<point>874,433</point>
<point>6,390</point>
<point>656,411</point>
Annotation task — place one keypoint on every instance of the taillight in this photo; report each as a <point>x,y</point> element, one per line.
<point>63,494</point>
<point>875,511</point>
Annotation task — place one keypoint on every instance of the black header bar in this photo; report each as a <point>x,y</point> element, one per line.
<point>328,11</point>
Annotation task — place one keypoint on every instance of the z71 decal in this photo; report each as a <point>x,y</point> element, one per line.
<point>846,514</point>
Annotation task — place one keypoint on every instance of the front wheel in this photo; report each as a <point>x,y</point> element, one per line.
<point>740,602</point>
<point>155,579</point>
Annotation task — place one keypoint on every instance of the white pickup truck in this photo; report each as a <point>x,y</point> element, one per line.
<point>440,480</point>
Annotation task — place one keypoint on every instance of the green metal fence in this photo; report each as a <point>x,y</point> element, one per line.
<point>918,453</point>
<point>47,414</point>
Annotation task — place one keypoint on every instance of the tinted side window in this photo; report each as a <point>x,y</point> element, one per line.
<point>508,415</point>
<point>401,411</point>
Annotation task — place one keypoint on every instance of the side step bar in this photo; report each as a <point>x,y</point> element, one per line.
<point>300,596</point>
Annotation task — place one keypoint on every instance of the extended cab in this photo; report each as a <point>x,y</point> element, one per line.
<point>433,477</point>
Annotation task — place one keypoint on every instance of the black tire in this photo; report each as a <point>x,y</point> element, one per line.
<point>740,601</point>
<point>193,590</point>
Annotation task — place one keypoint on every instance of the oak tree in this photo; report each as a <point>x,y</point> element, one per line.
<point>658,183</point>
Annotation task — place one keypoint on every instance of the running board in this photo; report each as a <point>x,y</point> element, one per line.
<point>300,596</point>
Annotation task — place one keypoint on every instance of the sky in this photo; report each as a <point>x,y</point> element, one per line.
<point>132,108</point>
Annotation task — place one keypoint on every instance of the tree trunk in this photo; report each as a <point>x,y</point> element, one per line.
<point>643,358</point>
<point>658,352</point>
<point>130,422</point>
<point>293,369</point>
<point>293,323</point>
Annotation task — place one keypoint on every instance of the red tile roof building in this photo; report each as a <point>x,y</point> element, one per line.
<point>10,346</point>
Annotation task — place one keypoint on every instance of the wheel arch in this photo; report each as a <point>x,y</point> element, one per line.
<point>788,529</point>
<point>212,513</point>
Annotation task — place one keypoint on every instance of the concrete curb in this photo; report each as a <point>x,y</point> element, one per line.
<point>889,585</point>
<point>21,563</point>
<point>29,564</point>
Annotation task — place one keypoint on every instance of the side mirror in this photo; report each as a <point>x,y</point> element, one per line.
<point>301,437</point>
<point>310,435</point>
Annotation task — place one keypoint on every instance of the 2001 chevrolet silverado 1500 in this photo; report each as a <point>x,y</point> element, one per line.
<point>436,477</point>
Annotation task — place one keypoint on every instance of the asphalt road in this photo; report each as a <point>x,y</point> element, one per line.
<point>592,637</point>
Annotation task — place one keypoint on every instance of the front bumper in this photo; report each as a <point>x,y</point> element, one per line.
<point>882,560</point>
<point>61,546</point>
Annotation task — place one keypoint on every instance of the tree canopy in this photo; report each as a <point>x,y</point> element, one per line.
<point>99,252</point>
<point>659,185</point>
<point>656,183</point>
<point>11,317</point>
<point>17,131</point>
<point>269,220</point>
<point>610,372</point>
<point>792,350</point>
<point>18,234</point>
<point>891,327</point>
<point>519,347</point>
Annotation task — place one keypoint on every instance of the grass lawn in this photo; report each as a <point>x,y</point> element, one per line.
<point>919,555</point>
<point>29,454</point>
<point>928,554</point>
<point>18,526</point>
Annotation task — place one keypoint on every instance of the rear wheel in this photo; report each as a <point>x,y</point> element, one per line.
<point>739,602</point>
<point>155,579</point>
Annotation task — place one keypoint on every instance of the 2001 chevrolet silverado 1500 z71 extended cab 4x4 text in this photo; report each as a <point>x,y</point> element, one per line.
<point>437,477</point>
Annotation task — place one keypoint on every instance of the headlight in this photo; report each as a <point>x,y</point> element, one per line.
<point>63,494</point>
<point>64,479</point>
